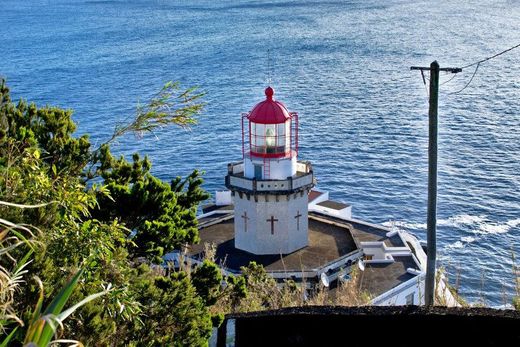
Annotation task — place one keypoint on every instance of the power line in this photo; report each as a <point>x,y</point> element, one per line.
<point>469,82</point>
<point>448,81</point>
<point>489,58</point>
<point>424,81</point>
<point>477,63</point>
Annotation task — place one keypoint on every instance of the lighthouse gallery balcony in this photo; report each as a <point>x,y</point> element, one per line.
<point>303,179</point>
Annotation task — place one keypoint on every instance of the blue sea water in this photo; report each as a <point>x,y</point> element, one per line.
<point>342,65</point>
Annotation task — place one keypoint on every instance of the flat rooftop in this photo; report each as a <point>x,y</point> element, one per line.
<point>327,242</point>
<point>214,207</point>
<point>330,238</point>
<point>314,194</point>
<point>364,232</point>
<point>333,204</point>
<point>381,277</point>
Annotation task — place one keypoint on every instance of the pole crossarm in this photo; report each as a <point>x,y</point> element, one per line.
<point>446,69</point>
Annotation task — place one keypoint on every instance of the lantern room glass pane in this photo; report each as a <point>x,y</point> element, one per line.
<point>288,136</point>
<point>280,135</point>
<point>257,136</point>
<point>270,138</point>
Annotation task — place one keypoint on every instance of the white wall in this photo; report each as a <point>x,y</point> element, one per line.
<point>376,251</point>
<point>323,197</point>
<point>223,198</point>
<point>258,238</point>
<point>279,169</point>
<point>397,296</point>
<point>345,213</point>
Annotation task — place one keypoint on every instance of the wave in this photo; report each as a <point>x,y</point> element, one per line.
<point>514,223</point>
<point>468,239</point>
<point>457,244</point>
<point>404,225</point>
<point>462,220</point>
<point>480,224</point>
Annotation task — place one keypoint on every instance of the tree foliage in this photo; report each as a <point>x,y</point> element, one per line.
<point>117,227</point>
<point>115,220</point>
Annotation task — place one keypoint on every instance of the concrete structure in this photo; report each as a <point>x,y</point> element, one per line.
<point>272,215</point>
<point>270,187</point>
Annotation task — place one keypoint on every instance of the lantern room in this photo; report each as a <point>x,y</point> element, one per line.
<point>272,130</point>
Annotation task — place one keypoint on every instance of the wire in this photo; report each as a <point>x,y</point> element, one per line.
<point>489,58</point>
<point>425,86</point>
<point>477,63</point>
<point>448,81</point>
<point>423,79</point>
<point>469,82</point>
<point>455,70</point>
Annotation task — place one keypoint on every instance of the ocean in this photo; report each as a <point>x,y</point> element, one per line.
<point>344,66</point>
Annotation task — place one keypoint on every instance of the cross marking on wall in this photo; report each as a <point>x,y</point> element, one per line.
<point>245,220</point>
<point>272,220</point>
<point>298,215</point>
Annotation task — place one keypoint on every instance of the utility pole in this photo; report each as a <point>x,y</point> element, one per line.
<point>431,220</point>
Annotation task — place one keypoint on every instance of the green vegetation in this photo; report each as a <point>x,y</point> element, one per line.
<point>82,229</point>
<point>110,217</point>
<point>42,325</point>
<point>516,274</point>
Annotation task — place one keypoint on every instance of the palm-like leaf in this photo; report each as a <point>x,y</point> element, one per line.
<point>44,325</point>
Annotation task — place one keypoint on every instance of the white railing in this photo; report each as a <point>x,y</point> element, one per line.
<point>302,181</point>
<point>303,166</point>
<point>337,263</point>
<point>239,182</point>
<point>273,185</point>
<point>236,179</point>
<point>238,168</point>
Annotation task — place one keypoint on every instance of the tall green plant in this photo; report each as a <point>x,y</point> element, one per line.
<point>116,228</point>
<point>43,325</point>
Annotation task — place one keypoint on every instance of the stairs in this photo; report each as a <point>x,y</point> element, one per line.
<point>267,168</point>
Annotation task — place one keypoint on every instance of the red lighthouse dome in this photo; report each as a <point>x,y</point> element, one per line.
<point>273,130</point>
<point>269,111</point>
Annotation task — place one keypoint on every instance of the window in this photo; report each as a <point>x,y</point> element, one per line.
<point>368,256</point>
<point>280,134</point>
<point>270,138</point>
<point>409,299</point>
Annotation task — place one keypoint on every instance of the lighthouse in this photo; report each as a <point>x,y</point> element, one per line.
<point>270,186</point>
<point>271,215</point>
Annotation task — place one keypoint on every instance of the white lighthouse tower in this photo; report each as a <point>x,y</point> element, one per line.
<point>270,186</point>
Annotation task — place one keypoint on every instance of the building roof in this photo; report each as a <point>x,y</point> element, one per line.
<point>333,204</point>
<point>314,194</point>
<point>327,242</point>
<point>379,278</point>
<point>364,232</point>
<point>330,239</point>
<point>269,111</point>
<point>214,207</point>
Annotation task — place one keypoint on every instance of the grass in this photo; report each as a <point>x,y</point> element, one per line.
<point>265,293</point>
